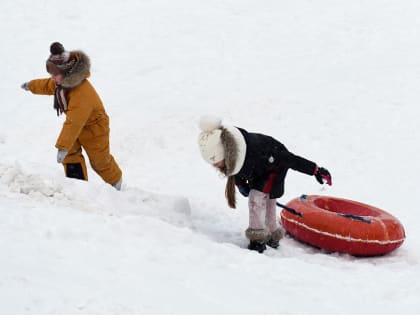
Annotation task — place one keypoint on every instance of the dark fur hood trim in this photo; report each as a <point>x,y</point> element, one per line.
<point>78,72</point>
<point>235,149</point>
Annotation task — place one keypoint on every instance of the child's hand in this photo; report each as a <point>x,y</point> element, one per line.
<point>322,174</point>
<point>25,86</point>
<point>61,154</point>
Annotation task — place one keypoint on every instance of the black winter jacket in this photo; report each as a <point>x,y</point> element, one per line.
<point>266,164</point>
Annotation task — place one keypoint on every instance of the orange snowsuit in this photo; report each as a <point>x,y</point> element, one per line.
<point>87,126</point>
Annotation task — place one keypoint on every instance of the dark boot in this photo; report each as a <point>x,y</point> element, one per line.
<point>273,243</point>
<point>257,238</point>
<point>275,237</point>
<point>258,246</point>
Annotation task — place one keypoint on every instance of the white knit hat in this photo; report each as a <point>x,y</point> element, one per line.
<point>209,140</point>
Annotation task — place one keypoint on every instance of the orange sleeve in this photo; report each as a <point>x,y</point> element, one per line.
<point>42,86</point>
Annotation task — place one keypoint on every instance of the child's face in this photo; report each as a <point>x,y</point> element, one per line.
<point>58,78</point>
<point>220,166</point>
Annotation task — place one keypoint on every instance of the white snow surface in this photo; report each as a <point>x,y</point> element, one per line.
<point>336,81</point>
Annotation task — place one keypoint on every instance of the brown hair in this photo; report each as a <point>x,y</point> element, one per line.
<point>230,192</point>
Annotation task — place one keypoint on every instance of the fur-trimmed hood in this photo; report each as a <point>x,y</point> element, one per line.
<point>235,149</point>
<point>218,142</point>
<point>79,71</point>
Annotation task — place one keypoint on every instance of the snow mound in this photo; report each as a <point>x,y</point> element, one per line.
<point>15,183</point>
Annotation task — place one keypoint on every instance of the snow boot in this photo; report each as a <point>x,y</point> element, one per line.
<point>258,246</point>
<point>275,237</point>
<point>273,243</point>
<point>258,238</point>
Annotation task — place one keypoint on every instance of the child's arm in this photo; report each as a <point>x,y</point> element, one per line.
<point>296,163</point>
<point>42,86</point>
<point>305,166</point>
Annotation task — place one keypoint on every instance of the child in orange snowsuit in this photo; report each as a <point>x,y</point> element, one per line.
<point>87,124</point>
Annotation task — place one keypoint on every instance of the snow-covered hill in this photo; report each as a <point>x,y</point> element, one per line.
<point>335,81</point>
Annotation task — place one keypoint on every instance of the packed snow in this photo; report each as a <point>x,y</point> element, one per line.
<point>336,81</point>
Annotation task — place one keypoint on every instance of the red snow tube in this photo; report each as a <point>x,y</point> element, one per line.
<point>341,225</point>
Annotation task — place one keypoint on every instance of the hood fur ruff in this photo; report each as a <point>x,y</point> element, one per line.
<point>79,72</point>
<point>235,150</point>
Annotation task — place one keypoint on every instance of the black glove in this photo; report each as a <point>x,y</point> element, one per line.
<point>244,190</point>
<point>322,174</point>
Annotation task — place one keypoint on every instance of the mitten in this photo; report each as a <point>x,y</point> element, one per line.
<point>25,86</point>
<point>244,190</point>
<point>322,175</point>
<point>61,154</point>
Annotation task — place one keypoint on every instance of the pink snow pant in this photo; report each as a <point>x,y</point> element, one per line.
<point>262,211</point>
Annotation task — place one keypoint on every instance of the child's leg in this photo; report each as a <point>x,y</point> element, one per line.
<point>257,203</point>
<point>270,217</point>
<point>271,222</point>
<point>95,141</point>
<point>106,167</point>
<point>74,163</point>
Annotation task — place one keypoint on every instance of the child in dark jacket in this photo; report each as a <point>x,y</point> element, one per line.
<point>257,165</point>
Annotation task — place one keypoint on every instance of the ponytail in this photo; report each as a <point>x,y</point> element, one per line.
<point>230,192</point>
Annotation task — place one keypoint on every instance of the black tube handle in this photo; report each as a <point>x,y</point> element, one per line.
<point>288,209</point>
<point>354,217</point>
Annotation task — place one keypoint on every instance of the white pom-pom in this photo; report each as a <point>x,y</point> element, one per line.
<point>209,123</point>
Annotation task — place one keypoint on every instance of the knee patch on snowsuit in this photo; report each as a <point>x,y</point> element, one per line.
<point>74,170</point>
